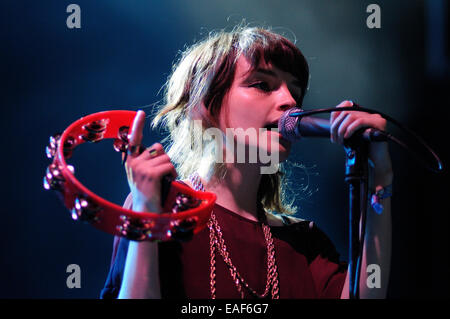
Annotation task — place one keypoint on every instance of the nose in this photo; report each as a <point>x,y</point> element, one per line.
<point>285,100</point>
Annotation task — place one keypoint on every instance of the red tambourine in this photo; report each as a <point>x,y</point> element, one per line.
<point>185,212</point>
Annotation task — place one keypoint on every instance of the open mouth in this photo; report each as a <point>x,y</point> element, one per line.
<point>282,139</point>
<point>271,125</point>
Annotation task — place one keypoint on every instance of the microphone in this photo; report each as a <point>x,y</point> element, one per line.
<point>294,128</point>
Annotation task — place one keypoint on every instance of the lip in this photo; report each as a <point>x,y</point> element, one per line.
<point>271,125</point>
<point>283,141</point>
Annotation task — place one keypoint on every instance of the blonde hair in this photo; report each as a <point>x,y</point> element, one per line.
<point>202,77</point>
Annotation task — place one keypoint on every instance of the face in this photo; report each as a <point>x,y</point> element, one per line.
<point>257,100</point>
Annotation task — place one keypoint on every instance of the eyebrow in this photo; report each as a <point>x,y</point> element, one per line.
<point>265,71</point>
<point>273,74</point>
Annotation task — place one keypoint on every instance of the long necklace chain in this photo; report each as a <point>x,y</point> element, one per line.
<point>217,243</point>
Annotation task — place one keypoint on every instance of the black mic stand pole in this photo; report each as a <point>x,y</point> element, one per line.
<point>356,175</point>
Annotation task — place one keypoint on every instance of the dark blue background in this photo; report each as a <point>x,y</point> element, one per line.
<point>121,57</point>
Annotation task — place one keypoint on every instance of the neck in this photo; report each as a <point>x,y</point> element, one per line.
<point>238,190</point>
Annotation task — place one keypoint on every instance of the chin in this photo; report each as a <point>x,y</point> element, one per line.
<point>283,150</point>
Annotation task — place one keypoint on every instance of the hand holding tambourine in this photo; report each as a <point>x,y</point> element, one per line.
<point>145,170</point>
<point>185,211</point>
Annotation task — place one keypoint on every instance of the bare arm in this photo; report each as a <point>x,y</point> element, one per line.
<point>376,253</point>
<point>141,273</point>
<point>376,257</point>
<point>144,173</point>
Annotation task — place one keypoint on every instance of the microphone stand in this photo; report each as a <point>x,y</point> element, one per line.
<point>356,175</point>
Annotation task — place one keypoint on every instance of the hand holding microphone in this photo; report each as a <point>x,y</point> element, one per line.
<point>345,123</point>
<point>341,126</point>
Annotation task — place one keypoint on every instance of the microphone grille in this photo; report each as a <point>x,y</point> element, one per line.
<point>287,125</point>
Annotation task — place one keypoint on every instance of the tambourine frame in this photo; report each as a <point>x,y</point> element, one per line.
<point>186,211</point>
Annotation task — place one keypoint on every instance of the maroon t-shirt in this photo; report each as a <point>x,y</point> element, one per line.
<point>307,261</point>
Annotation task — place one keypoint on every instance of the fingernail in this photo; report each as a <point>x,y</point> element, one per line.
<point>153,152</point>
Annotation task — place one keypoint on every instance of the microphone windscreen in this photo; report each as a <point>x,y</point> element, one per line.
<point>287,125</point>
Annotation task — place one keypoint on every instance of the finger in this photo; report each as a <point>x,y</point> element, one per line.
<point>346,103</point>
<point>135,136</point>
<point>355,126</point>
<point>377,121</point>
<point>156,161</point>
<point>343,128</point>
<point>168,169</point>
<point>149,153</point>
<point>129,172</point>
<point>335,125</point>
<point>153,151</point>
<point>335,114</point>
<point>157,173</point>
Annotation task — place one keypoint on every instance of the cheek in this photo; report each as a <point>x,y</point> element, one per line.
<point>244,110</point>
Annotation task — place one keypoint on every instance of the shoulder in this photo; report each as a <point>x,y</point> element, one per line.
<point>275,219</point>
<point>304,235</point>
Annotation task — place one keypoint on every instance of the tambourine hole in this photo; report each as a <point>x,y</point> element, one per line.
<point>147,224</point>
<point>69,142</point>
<point>120,145</point>
<point>184,224</point>
<point>184,202</point>
<point>92,137</point>
<point>97,126</point>
<point>123,133</point>
<point>53,178</point>
<point>85,210</point>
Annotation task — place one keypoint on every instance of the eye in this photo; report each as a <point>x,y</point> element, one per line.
<point>264,86</point>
